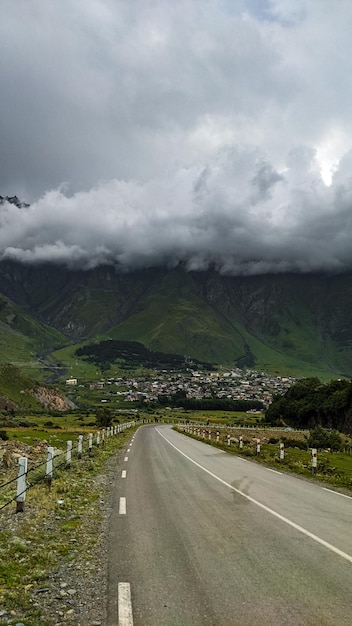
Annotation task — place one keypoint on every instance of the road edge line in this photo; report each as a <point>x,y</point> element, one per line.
<point>300,529</point>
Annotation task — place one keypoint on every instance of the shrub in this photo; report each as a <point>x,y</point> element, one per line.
<point>273,440</point>
<point>294,443</point>
<point>320,438</point>
<point>3,435</point>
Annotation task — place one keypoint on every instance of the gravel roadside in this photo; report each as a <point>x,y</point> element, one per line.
<point>74,590</point>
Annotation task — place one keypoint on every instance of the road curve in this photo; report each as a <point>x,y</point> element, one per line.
<point>199,536</point>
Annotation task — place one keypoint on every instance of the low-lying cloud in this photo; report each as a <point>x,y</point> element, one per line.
<point>236,213</point>
<point>197,132</point>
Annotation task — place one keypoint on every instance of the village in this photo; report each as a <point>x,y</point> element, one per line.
<point>235,384</point>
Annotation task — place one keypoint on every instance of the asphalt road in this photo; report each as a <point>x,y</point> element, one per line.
<point>200,537</point>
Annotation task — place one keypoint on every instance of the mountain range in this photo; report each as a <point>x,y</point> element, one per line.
<point>297,324</point>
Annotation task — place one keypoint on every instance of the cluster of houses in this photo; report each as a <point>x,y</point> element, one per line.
<point>235,384</point>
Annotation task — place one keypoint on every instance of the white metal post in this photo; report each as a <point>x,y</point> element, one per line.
<point>79,446</point>
<point>282,451</point>
<point>49,466</point>
<point>90,443</point>
<point>98,438</point>
<point>241,442</point>
<point>314,460</point>
<point>68,453</point>
<point>21,484</point>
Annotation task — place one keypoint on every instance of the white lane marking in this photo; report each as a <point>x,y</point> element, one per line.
<point>126,458</point>
<point>123,474</point>
<point>122,506</point>
<point>272,470</point>
<point>300,529</point>
<point>128,449</point>
<point>124,605</point>
<point>337,493</point>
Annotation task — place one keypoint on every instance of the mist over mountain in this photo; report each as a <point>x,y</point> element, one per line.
<point>238,215</point>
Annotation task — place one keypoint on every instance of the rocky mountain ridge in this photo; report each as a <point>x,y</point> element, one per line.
<point>256,321</point>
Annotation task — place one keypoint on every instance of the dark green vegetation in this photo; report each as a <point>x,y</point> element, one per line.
<point>207,404</point>
<point>131,354</point>
<point>293,324</point>
<point>309,403</point>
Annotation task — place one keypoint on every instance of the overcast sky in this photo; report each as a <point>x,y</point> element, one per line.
<point>206,132</point>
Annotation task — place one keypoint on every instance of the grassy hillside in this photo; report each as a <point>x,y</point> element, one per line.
<point>173,318</point>
<point>16,386</point>
<point>24,341</point>
<point>294,324</point>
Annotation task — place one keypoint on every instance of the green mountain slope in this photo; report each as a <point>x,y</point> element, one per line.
<point>172,317</point>
<point>24,341</point>
<point>281,323</point>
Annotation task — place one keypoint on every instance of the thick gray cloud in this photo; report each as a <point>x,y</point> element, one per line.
<point>202,132</point>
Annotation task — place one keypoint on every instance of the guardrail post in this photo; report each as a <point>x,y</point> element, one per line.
<point>228,440</point>
<point>21,484</point>
<point>314,460</point>
<point>79,446</point>
<point>103,437</point>
<point>241,442</point>
<point>90,443</point>
<point>49,466</point>
<point>98,438</point>
<point>282,451</point>
<point>68,454</point>
<point>258,446</point>
<point>217,436</point>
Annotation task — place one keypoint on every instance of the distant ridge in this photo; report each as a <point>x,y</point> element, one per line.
<point>13,200</point>
<point>293,324</point>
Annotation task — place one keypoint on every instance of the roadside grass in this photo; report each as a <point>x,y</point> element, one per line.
<point>57,525</point>
<point>228,418</point>
<point>334,468</point>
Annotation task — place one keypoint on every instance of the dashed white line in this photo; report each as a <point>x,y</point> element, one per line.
<point>122,506</point>
<point>126,458</point>
<point>300,529</point>
<point>128,449</point>
<point>123,474</point>
<point>125,605</point>
<point>337,493</point>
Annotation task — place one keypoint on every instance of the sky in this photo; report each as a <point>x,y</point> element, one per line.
<point>207,133</point>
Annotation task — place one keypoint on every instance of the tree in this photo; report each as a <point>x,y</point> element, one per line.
<point>103,417</point>
<point>320,438</point>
